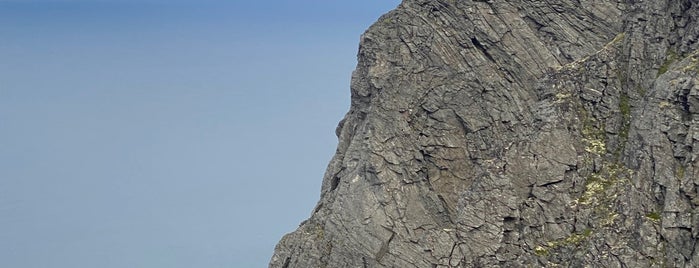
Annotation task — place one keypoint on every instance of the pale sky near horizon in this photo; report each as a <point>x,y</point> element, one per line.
<point>154,133</point>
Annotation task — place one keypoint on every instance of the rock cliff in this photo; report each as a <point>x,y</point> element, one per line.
<point>525,133</point>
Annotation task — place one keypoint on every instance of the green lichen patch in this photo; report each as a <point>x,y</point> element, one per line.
<point>602,188</point>
<point>593,187</point>
<point>625,106</point>
<point>572,240</point>
<point>693,64</point>
<point>595,146</point>
<point>618,38</point>
<point>615,42</point>
<point>562,96</point>
<point>654,216</point>
<point>680,171</point>
<point>575,239</point>
<point>541,251</point>
<point>670,58</point>
<point>690,62</point>
<point>317,230</point>
<point>593,133</point>
<point>625,110</point>
<point>663,104</point>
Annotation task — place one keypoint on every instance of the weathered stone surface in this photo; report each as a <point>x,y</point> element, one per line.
<point>515,134</point>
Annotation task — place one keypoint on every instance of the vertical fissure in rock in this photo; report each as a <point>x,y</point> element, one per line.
<point>482,48</point>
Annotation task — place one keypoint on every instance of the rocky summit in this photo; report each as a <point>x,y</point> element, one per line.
<point>525,133</point>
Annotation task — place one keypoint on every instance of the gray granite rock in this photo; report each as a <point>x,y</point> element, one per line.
<point>536,133</point>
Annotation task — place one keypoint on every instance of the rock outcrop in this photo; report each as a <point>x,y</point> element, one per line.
<point>526,133</point>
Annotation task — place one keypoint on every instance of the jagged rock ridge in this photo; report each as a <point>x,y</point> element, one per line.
<point>515,134</point>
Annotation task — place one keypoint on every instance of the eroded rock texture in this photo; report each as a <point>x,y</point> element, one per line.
<point>515,134</point>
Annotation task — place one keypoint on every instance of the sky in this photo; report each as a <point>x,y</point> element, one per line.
<point>153,133</point>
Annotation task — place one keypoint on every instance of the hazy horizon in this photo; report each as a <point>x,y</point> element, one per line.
<point>167,133</point>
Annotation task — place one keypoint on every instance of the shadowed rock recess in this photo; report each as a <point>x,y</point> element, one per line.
<point>496,133</point>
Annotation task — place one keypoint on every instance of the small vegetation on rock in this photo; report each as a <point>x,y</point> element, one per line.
<point>655,216</point>
<point>670,58</point>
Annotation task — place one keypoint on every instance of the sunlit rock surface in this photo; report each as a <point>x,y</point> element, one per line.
<point>515,134</point>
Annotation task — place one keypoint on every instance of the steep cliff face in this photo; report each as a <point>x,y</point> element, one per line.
<point>515,134</point>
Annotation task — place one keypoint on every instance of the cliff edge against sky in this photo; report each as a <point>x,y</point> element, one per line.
<point>515,134</point>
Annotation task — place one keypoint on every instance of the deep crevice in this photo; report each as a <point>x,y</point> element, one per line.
<point>384,248</point>
<point>286,263</point>
<point>334,183</point>
<point>482,48</point>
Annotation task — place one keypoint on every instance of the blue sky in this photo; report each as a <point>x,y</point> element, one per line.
<point>167,133</point>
